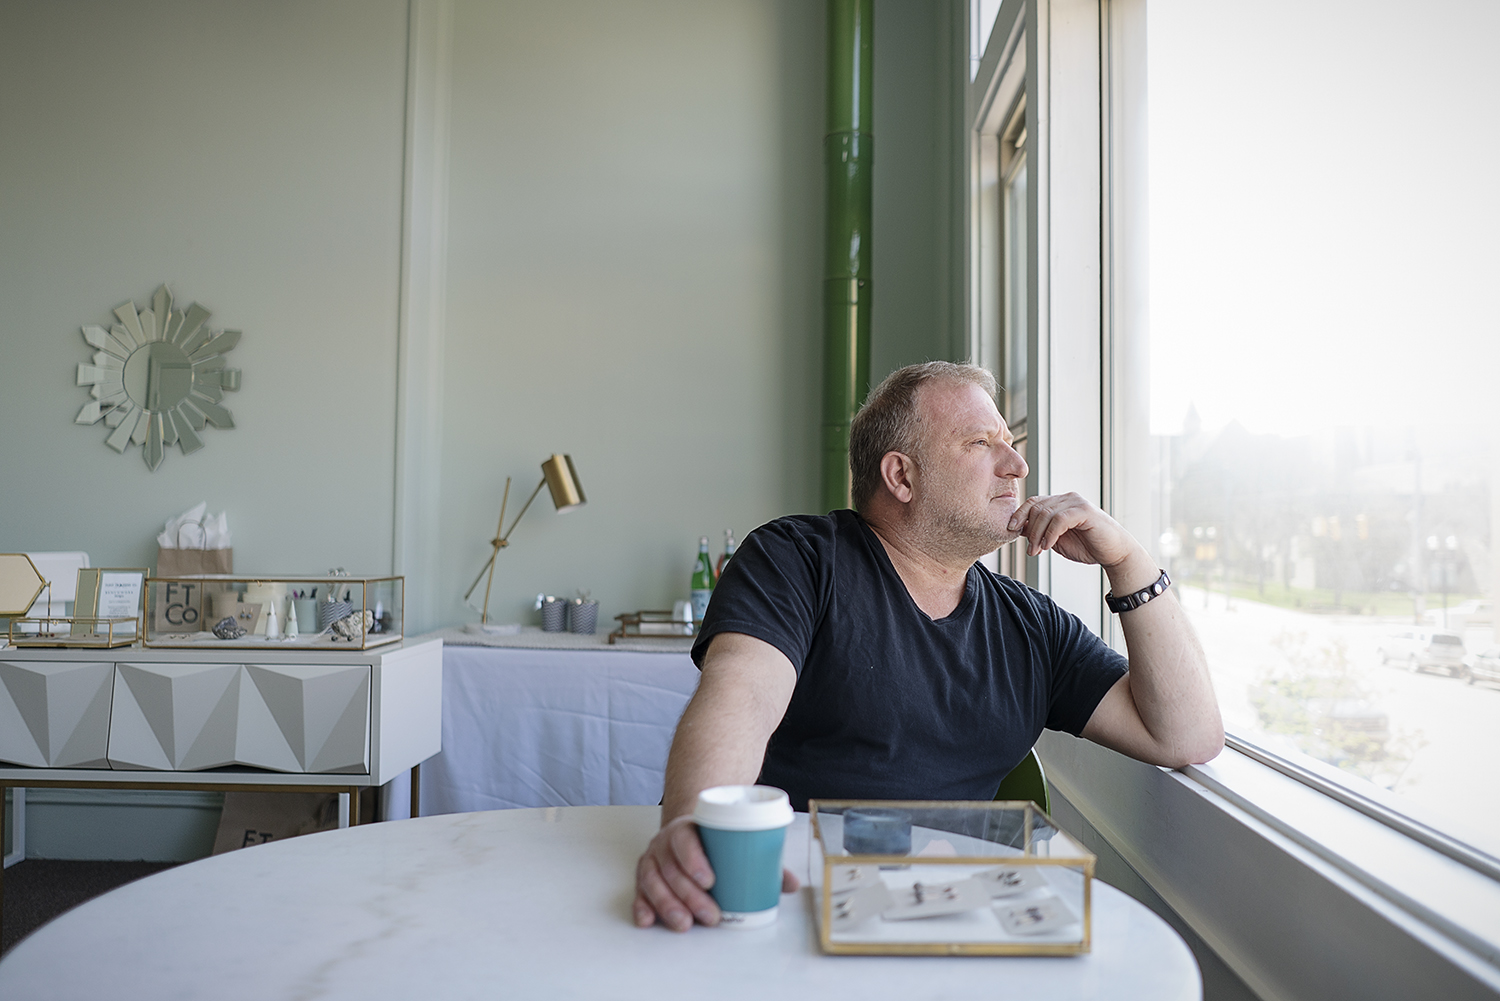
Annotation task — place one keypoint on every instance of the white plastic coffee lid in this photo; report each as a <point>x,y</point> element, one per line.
<point>743,808</point>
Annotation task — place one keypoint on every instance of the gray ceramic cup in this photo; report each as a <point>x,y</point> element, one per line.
<point>583,617</point>
<point>553,615</point>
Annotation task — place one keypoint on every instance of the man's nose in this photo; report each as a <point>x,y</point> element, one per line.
<point>1011,463</point>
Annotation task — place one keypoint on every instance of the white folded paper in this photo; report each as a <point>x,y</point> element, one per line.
<point>195,528</point>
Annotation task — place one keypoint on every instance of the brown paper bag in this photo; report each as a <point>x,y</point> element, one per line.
<point>179,607</point>
<point>187,562</point>
<point>253,818</point>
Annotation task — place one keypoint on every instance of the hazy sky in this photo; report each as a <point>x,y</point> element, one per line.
<point>1325,213</point>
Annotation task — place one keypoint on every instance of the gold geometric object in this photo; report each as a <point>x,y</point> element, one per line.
<point>158,377</point>
<point>20,584</point>
<point>561,480</point>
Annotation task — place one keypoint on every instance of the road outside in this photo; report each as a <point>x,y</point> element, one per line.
<point>1444,737</point>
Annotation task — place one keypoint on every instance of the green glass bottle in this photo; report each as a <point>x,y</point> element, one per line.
<point>703,580</point>
<point>726,556</point>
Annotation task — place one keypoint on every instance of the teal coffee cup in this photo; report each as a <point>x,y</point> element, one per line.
<point>742,829</point>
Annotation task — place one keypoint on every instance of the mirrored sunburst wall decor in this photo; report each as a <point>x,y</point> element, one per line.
<point>158,377</point>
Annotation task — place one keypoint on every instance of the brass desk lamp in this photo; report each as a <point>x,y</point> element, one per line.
<point>561,479</point>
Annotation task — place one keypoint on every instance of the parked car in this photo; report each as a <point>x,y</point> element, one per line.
<point>1486,667</point>
<point>1425,649</point>
<point>1474,612</point>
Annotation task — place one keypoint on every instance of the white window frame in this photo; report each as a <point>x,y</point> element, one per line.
<point>992,99</point>
<point>1046,50</point>
<point>1300,888</point>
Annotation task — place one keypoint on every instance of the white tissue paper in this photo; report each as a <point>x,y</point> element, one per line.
<point>195,528</point>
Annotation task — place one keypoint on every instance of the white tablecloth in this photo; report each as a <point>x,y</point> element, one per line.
<point>525,727</point>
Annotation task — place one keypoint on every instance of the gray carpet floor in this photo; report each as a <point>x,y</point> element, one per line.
<point>38,890</point>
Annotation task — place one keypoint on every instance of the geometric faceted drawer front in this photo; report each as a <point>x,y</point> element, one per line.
<point>291,718</point>
<point>55,715</point>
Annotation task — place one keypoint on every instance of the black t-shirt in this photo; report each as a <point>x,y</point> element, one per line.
<point>889,703</point>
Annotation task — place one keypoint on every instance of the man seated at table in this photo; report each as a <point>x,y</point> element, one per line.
<point>866,655</point>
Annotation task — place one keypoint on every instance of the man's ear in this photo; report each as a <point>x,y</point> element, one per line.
<point>898,472</point>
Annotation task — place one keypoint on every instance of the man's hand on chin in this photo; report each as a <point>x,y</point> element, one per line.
<point>1074,528</point>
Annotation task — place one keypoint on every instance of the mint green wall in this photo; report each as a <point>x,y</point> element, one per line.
<point>250,157</point>
<point>634,273</point>
<point>633,270</point>
<point>919,63</point>
<point>633,279</point>
<point>633,267</point>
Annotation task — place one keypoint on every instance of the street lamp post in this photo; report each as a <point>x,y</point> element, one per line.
<point>1444,552</point>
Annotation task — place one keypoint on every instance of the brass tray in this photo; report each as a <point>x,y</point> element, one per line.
<point>652,625</point>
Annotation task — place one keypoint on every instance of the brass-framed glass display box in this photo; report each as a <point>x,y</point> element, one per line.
<point>947,878</point>
<point>230,611</point>
<point>105,632</point>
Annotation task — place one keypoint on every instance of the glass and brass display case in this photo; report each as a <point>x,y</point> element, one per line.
<point>105,632</point>
<point>947,878</point>
<point>106,606</point>
<point>231,611</point>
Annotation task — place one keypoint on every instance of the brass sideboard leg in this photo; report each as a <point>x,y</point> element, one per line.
<point>354,806</point>
<point>416,790</point>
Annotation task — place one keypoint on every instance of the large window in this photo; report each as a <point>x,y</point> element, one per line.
<point>1325,381</point>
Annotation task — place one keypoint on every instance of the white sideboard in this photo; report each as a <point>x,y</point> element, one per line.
<point>229,718</point>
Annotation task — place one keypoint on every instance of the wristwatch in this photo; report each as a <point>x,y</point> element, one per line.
<point>1157,588</point>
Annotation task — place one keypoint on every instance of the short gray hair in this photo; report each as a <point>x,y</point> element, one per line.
<point>890,422</point>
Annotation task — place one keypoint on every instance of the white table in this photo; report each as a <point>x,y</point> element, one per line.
<point>512,904</point>
<point>584,726</point>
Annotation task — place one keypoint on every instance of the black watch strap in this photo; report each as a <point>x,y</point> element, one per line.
<point>1154,590</point>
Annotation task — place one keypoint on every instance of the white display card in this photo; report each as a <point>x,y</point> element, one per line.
<point>120,593</point>
<point>931,900</point>
<point>848,878</point>
<point>857,906</point>
<point>1035,917</point>
<point>1010,881</point>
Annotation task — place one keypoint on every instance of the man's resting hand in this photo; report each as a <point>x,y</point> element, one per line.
<point>1077,530</point>
<point>673,877</point>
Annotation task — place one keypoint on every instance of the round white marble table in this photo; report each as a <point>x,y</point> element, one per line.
<point>512,904</point>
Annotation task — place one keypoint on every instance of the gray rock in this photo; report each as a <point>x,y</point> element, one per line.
<point>228,629</point>
<point>353,627</point>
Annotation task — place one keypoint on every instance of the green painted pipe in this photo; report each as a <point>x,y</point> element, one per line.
<point>848,158</point>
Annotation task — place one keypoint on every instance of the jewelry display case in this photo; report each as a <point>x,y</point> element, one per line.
<point>947,878</point>
<point>227,611</point>
<point>73,631</point>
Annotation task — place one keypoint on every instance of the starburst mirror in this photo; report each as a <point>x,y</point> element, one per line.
<point>158,377</point>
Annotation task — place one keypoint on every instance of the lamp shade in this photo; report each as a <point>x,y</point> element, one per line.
<point>562,482</point>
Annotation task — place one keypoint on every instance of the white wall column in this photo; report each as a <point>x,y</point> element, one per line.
<point>424,291</point>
